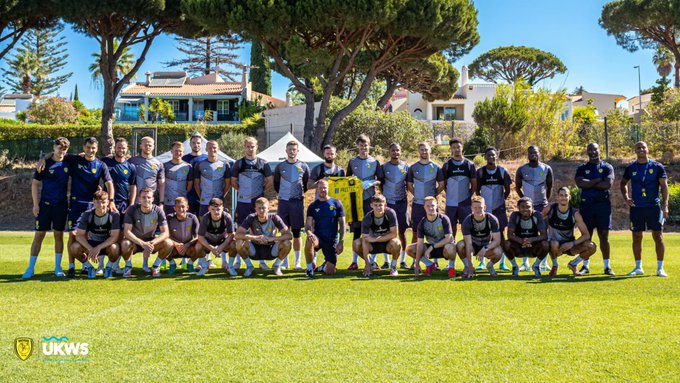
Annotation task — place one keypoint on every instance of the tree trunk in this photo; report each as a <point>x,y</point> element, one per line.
<point>677,73</point>
<point>107,119</point>
<point>308,138</point>
<point>391,87</point>
<point>344,112</point>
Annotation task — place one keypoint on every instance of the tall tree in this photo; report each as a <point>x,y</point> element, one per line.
<point>309,39</point>
<point>18,16</point>
<point>206,53</point>
<point>505,114</point>
<point>132,23</point>
<point>47,47</point>
<point>511,64</point>
<point>75,94</point>
<point>645,24</point>
<point>260,69</point>
<point>124,65</point>
<point>663,61</point>
<point>24,69</point>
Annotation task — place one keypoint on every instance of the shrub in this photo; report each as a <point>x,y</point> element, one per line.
<point>674,202</point>
<point>53,111</point>
<point>575,196</point>
<point>232,144</point>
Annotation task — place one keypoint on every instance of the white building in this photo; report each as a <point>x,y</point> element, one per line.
<point>11,104</point>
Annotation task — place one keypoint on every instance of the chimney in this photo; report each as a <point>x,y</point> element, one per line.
<point>148,77</point>
<point>289,99</point>
<point>463,76</point>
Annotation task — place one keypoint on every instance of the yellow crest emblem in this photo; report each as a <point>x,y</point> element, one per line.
<point>368,166</point>
<point>600,170</point>
<point>331,208</point>
<point>153,167</point>
<point>651,171</point>
<point>23,347</point>
<point>66,169</point>
<point>125,171</point>
<point>403,171</point>
<point>94,171</point>
<point>151,221</point>
<point>540,174</point>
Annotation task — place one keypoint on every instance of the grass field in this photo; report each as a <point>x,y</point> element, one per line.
<point>347,328</point>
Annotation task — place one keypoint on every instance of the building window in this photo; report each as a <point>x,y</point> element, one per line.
<point>175,105</point>
<point>223,106</point>
<point>446,113</point>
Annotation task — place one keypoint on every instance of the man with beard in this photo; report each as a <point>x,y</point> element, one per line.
<point>393,181</point>
<point>527,236</point>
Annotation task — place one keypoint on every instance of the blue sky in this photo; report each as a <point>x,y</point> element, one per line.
<point>567,29</point>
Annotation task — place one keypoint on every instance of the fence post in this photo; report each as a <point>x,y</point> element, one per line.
<point>606,139</point>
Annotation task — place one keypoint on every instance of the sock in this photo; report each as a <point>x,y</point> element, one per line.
<point>203,262</point>
<point>387,259</point>
<point>248,263</point>
<point>393,263</point>
<point>314,259</point>
<point>586,263</point>
<point>481,263</point>
<point>403,256</point>
<point>190,262</point>
<point>57,261</point>
<point>184,261</point>
<point>537,262</point>
<point>87,264</point>
<point>502,262</point>
<point>554,262</point>
<point>576,260</point>
<point>277,263</point>
<point>467,263</point>
<point>309,267</point>
<point>426,261</point>
<point>513,262</point>
<point>31,261</point>
<point>263,263</point>
<point>297,257</point>
<point>355,257</point>
<point>526,261</point>
<point>231,262</point>
<point>128,263</point>
<point>172,262</point>
<point>145,262</point>
<point>101,260</point>
<point>489,265</point>
<point>638,264</point>
<point>71,265</point>
<point>659,265</point>
<point>373,258</point>
<point>157,262</point>
<point>606,263</point>
<point>452,264</point>
<point>109,264</point>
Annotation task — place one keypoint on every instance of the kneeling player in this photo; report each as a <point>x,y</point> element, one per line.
<point>216,236</point>
<point>527,236</point>
<point>436,228</point>
<point>183,227</point>
<point>481,239</point>
<point>139,228</point>
<point>379,234</point>
<point>325,230</point>
<point>96,232</point>
<point>562,219</point>
<point>257,238</point>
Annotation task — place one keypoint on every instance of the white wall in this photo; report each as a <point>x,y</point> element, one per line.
<point>278,122</point>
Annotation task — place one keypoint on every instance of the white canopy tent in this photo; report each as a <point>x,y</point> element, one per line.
<point>167,156</point>
<point>276,153</point>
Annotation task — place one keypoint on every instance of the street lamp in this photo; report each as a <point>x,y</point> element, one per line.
<point>639,91</point>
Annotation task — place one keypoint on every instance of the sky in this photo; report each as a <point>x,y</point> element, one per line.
<point>569,30</point>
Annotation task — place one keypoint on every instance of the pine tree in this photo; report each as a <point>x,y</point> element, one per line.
<point>204,54</point>
<point>261,71</point>
<point>33,68</point>
<point>75,94</point>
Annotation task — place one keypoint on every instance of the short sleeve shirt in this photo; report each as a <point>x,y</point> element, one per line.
<point>183,231</point>
<point>326,215</point>
<point>424,178</point>
<point>599,171</point>
<point>644,181</point>
<point>269,228</point>
<point>434,231</point>
<point>216,231</point>
<point>149,172</point>
<point>54,178</point>
<point>144,225</point>
<point>211,176</point>
<point>377,226</point>
<point>176,178</point>
<point>85,177</point>
<point>393,181</point>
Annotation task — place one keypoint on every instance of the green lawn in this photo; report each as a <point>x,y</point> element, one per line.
<point>347,328</point>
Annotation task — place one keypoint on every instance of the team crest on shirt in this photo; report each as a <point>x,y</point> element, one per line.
<point>317,210</point>
<point>331,208</point>
<point>66,170</point>
<point>184,171</point>
<point>188,228</point>
<point>94,171</point>
<point>219,169</point>
<point>151,221</point>
<point>269,230</point>
<point>440,228</point>
<point>600,170</point>
<point>125,171</point>
<point>368,166</point>
<point>153,167</point>
<point>651,171</point>
<point>431,171</point>
<point>540,174</point>
<point>634,173</point>
<point>403,171</point>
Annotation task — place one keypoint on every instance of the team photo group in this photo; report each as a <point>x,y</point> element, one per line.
<point>181,212</point>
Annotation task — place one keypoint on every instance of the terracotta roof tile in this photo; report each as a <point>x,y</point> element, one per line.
<point>226,88</point>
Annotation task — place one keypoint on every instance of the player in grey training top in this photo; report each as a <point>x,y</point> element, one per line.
<point>212,177</point>
<point>290,181</point>
<point>481,238</point>
<point>461,183</point>
<point>178,178</point>
<point>216,236</point>
<point>250,176</point>
<point>365,168</point>
<point>140,225</point>
<point>393,183</point>
<point>534,180</point>
<point>435,238</point>
<point>183,227</point>
<point>149,170</point>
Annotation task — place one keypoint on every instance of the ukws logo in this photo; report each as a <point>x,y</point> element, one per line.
<point>59,347</point>
<point>23,347</point>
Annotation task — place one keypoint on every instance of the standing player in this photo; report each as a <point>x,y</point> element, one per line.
<point>263,236</point>
<point>423,179</point>
<point>183,228</point>
<point>534,180</point>
<point>493,184</point>
<point>379,232</point>
<point>647,210</point>
<point>139,227</point>
<point>527,236</point>
<point>150,175</point>
<point>365,168</point>
<point>595,178</point>
<point>212,177</point>
<point>436,229</point>
<point>51,206</point>
<point>196,156</point>
<point>562,218</point>
<point>325,230</point>
<point>290,181</point>
<point>393,181</point>
<point>216,235</point>
<point>96,233</point>
<point>178,178</point>
<point>481,239</point>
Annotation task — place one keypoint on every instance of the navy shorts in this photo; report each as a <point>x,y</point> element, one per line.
<point>378,248</point>
<point>646,218</point>
<point>457,214</point>
<point>95,243</point>
<point>597,216</point>
<point>539,208</point>
<point>502,216</point>
<point>243,209</point>
<point>328,249</point>
<point>401,208</point>
<point>417,214</point>
<point>51,217</point>
<point>75,210</point>
<point>292,213</point>
<point>436,253</point>
<point>263,252</point>
<point>121,206</point>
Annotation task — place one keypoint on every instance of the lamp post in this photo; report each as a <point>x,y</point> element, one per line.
<point>639,101</point>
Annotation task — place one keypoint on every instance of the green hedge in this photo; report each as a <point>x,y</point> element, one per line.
<point>28,141</point>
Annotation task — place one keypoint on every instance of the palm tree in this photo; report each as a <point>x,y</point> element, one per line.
<point>123,66</point>
<point>663,60</point>
<point>26,67</point>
